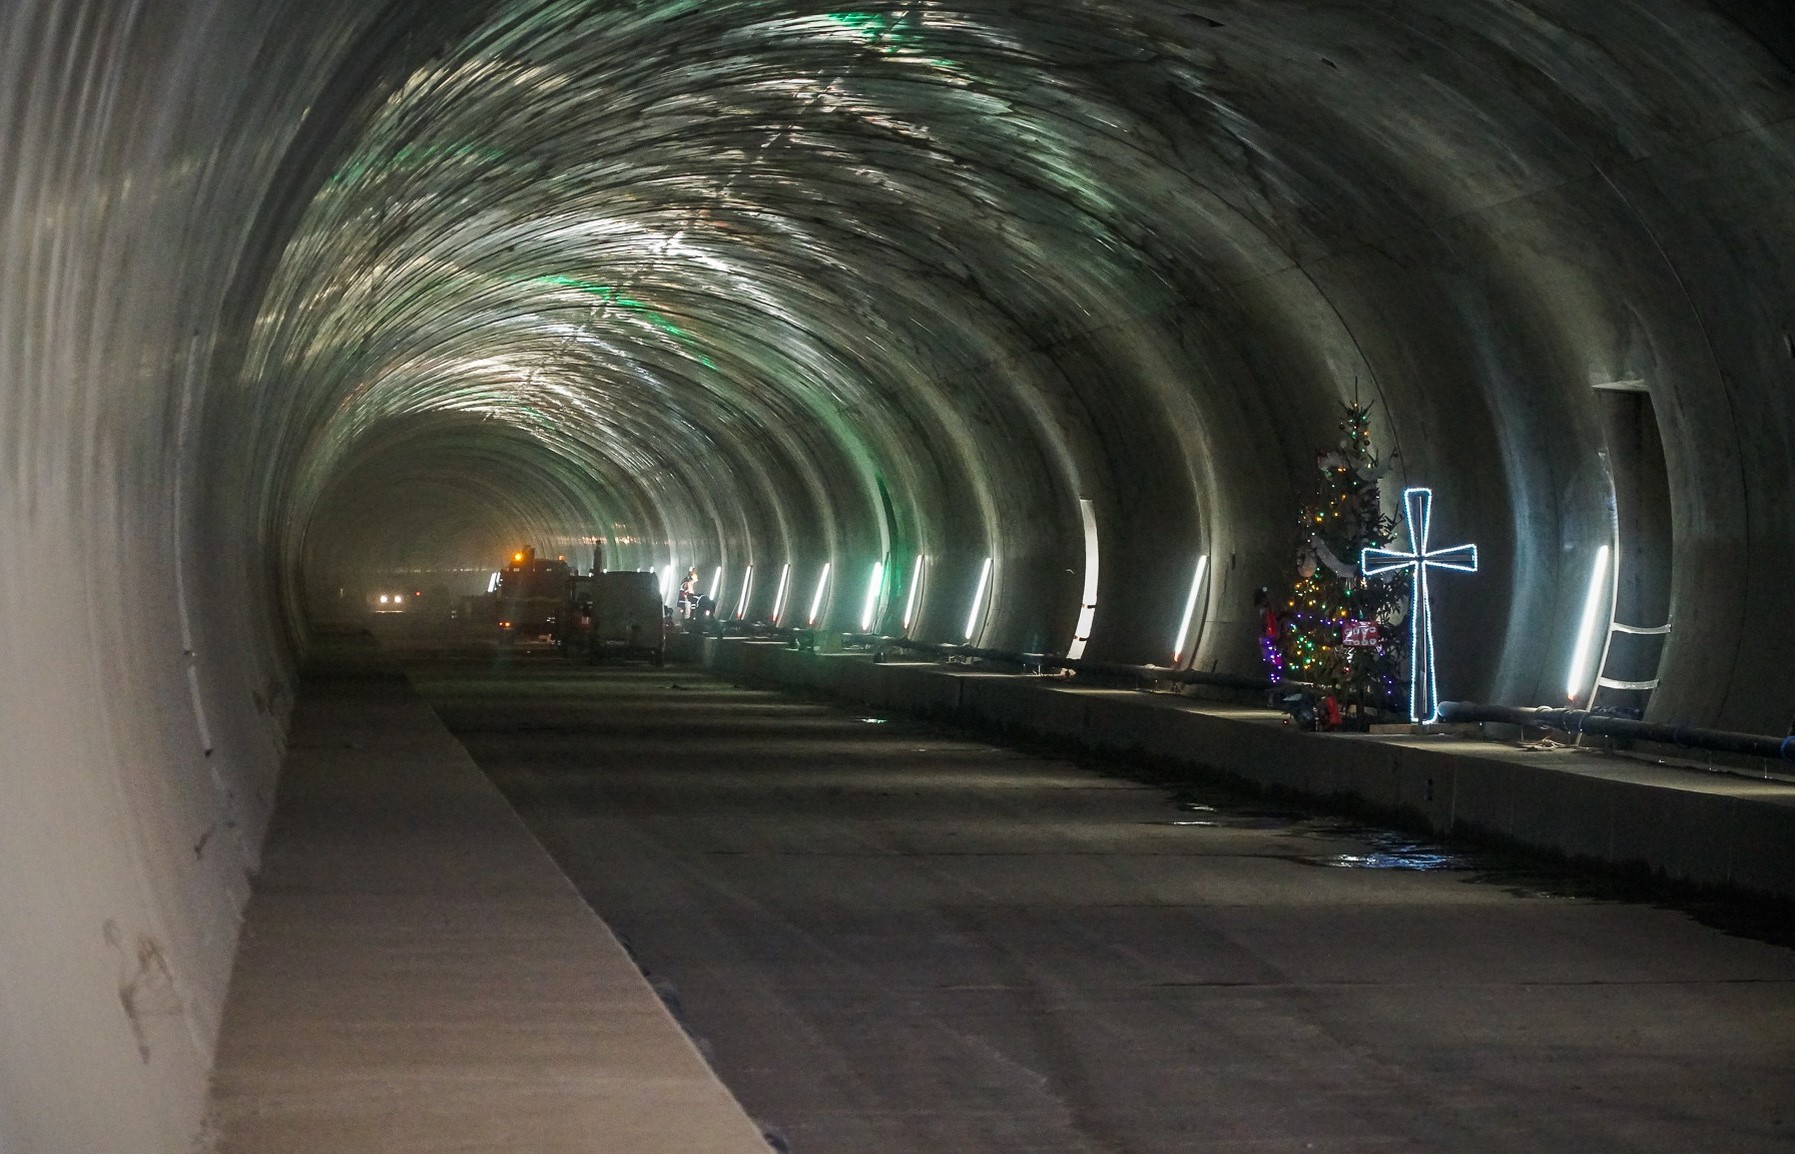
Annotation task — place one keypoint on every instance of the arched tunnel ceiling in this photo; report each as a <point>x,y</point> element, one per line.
<point>769,284</point>
<point>297,285</point>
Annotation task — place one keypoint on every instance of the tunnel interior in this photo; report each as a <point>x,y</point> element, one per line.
<point>898,291</point>
<point>973,307</point>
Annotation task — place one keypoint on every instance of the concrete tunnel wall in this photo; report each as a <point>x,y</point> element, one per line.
<point>294,290</point>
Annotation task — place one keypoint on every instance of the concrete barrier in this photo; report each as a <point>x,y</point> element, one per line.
<point>1706,829</point>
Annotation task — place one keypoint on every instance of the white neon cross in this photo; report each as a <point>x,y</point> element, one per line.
<point>1424,688</point>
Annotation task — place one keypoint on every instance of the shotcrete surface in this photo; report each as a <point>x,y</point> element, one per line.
<point>892,939</point>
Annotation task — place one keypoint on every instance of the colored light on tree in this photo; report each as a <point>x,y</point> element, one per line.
<point>1303,631</point>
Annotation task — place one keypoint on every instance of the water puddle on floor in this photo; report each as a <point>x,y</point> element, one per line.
<point>1325,841</point>
<point>1375,848</point>
<point>1393,852</point>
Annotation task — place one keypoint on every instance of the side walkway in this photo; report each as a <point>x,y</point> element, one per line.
<point>1711,829</point>
<point>418,977</point>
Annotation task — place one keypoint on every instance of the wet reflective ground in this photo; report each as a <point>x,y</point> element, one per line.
<point>890,939</point>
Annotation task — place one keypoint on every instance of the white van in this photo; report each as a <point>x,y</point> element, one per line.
<point>619,614</point>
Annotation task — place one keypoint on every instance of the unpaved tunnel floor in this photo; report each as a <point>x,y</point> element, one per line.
<point>895,941</point>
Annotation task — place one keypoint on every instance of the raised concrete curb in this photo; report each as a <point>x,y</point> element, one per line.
<point>417,975</point>
<point>1704,829</point>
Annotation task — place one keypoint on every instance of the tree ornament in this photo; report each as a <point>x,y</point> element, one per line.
<point>1327,595</point>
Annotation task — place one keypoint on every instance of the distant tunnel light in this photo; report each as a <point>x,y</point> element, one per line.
<point>1087,602</point>
<point>741,605</point>
<point>785,585</point>
<point>816,603</point>
<point>873,585</point>
<point>978,600</point>
<point>1586,632</point>
<point>716,583</point>
<point>1190,609</point>
<point>915,592</point>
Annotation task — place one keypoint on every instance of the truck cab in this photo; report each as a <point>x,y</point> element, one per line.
<point>531,596</point>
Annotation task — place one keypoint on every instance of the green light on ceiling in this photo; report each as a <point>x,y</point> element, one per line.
<point>881,29</point>
<point>612,295</point>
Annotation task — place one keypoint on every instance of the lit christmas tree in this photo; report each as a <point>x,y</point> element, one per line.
<point>1334,627</point>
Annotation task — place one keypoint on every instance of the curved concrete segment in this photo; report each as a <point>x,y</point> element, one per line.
<point>417,975</point>
<point>1031,307</point>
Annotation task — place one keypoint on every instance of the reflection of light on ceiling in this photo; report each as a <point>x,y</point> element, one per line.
<point>792,239</point>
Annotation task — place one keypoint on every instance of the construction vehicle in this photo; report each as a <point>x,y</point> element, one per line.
<point>531,597</point>
<point>615,614</point>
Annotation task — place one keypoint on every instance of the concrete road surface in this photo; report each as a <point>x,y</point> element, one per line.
<point>895,941</point>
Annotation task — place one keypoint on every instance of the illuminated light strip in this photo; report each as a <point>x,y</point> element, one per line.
<point>667,584</point>
<point>1190,609</point>
<point>716,583</point>
<point>785,584</point>
<point>741,605</point>
<point>1424,686</point>
<point>978,599</point>
<point>915,591</point>
<point>1586,632</point>
<point>1087,604</point>
<point>816,603</point>
<point>872,596</point>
